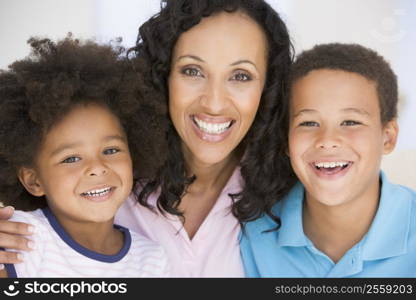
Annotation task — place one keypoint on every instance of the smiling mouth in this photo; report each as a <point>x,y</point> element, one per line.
<point>333,167</point>
<point>98,192</point>
<point>212,128</point>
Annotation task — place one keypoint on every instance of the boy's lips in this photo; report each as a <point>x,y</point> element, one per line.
<point>211,129</point>
<point>331,169</point>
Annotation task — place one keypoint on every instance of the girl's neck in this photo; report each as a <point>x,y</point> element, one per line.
<point>336,229</point>
<point>100,237</point>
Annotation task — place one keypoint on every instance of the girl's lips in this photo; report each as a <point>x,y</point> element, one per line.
<point>99,197</point>
<point>331,173</point>
<point>212,137</point>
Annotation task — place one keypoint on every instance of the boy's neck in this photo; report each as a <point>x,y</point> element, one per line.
<point>336,229</point>
<point>100,237</point>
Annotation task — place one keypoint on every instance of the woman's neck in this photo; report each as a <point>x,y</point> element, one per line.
<point>336,229</point>
<point>204,191</point>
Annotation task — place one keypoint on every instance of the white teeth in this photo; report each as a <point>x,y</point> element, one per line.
<point>212,128</point>
<point>331,164</point>
<point>97,193</point>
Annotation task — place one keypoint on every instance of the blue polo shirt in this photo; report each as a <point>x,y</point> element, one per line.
<point>387,250</point>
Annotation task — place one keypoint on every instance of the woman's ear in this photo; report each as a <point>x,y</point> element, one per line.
<point>390,134</point>
<point>29,178</point>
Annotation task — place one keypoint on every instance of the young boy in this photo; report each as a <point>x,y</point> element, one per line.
<point>72,126</point>
<point>344,218</point>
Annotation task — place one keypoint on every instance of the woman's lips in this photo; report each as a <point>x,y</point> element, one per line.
<point>212,129</point>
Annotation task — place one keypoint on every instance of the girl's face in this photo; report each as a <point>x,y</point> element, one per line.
<point>217,76</point>
<point>83,167</point>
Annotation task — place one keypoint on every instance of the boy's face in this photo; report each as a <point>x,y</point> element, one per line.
<point>83,167</point>
<point>336,138</point>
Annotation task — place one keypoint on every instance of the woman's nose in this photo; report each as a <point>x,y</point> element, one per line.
<point>214,97</point>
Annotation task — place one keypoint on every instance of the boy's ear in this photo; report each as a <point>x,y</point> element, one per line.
<point>29,178</point>
<point>390,134</point>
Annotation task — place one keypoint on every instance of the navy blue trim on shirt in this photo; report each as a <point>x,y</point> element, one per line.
<point>11,271</point>
<point>57,227</point>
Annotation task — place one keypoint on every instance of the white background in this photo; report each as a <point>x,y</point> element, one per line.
<point>387,26</point>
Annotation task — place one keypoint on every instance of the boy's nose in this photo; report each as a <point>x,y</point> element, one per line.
<point>328,140</point>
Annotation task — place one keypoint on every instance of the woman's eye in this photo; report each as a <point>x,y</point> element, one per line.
<point>111,151</point>
<point>309,124</point>
<point>350,123</point>
<point>71,160</point>
<point>241,77</point>
<point>192,72</point>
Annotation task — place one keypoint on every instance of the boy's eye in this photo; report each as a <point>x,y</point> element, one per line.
<point>191,72</point>
<point>71,160</point>
<point>350,123</point>
<point>111,151</point>
<point>241,76</point>
<point>309,124</point>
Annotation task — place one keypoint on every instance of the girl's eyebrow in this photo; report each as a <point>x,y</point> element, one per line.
<point>115,137</point>
<point>64,147</point>
<point>106,139</point>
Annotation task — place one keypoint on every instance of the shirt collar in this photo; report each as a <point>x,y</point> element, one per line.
<point>291,231</point>
<point>388,234</point>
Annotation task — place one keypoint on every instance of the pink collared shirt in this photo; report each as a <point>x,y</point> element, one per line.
<point>214,250</point>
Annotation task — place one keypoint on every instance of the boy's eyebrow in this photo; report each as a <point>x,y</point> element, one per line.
<point>74,145</point>
<point>302,111</point>
<point>356,110</point>
<point>348,109</point>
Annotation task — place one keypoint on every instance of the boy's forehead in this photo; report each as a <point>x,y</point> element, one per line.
<point>334,88</point>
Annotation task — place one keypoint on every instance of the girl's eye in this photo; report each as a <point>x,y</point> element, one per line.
<point>241,76</point>
<point>71,160</point>
<point>192,72</point>
<point>350,123</point>
<point>309,124</point>
<point>111,151</point>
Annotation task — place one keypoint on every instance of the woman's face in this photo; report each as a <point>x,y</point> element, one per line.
<point>217,76</point>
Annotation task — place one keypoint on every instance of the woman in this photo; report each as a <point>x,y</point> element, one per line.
<point>221,66</point>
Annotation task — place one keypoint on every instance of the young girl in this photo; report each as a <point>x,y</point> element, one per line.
<point>72,127</point>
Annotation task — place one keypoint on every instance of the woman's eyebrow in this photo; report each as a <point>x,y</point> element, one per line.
<point>190,56</point>
<point>243,61</point>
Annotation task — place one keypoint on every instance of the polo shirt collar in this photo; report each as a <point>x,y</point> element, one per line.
<point>388,234</point>
<point>290,212</point>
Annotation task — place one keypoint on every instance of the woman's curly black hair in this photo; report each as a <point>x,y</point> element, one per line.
<point>38,91</point>
<point>264,179</point>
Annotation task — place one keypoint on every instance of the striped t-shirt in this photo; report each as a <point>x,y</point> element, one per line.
<point>58,255</point>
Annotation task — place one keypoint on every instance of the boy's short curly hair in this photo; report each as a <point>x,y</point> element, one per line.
<point>356,59</point>
<point>38,91</point>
